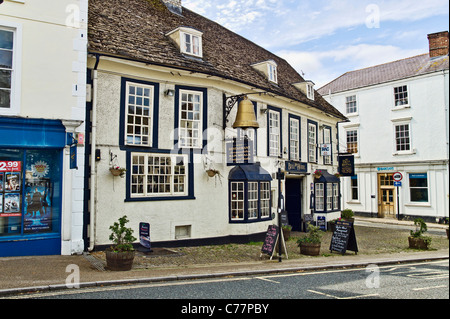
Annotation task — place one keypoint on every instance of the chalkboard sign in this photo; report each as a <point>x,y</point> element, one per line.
<point>284,218</point>
<point>344,238</point>
<point>270,241</point>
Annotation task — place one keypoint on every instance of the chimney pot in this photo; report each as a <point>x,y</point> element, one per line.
<point>438,44</point>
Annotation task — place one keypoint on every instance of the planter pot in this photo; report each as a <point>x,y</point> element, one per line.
<point>417,243</point>
<point>286,234</point>
<point>116,172</point>
<point>119,261</point>
<point>310,249</point>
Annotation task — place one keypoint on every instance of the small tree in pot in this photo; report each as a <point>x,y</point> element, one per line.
<point>417,240</point>
<point>120,256</point>
<point>310,245</point>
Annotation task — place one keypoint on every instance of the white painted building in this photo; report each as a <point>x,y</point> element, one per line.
<point>399,122</point>
<point>42,98</point>
<point>161,79</point>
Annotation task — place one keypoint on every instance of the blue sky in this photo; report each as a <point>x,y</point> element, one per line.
<point>324,39</point>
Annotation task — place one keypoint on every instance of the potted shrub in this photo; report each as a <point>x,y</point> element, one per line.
<point>348,214</point>
<point>286,232</point>
<point>310,245</point>
<point>417,240</point>
<point>120,256</point>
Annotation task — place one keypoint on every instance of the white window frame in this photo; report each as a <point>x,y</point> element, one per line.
<point>354,187</point>
<point>312,143</point>
<point>419,187</point>
<point>399,102</point>
<point>272,70</point>
<point>252,200</point>
<point>191,42</point>
<point>403,141</point>
<point>320,199</point>
<point>274,133</point>
<point>327,140</point>
<point>16,73</point>
<point>191,132</point>
<point>356,141</point>
<point>294,139</point>
<point>310,91</point>
<point>351,105</point>
<point>142,117</point>
<point>330,196</point>
<point>178,175</point>
<point>335,196</point>
<point>237,200</point>
<point>265,193</point>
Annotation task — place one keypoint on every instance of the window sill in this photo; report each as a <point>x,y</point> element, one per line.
<point>155,199</point>
<point>401,107</point>
<point>424,204</point>
<point>400,153</point>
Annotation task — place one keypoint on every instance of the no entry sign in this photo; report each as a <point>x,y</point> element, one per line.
<point>397,177</point>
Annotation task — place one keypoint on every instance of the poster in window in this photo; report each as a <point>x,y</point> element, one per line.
<point>1,203</point>
<point>37,206</point>
<point>1,183</point>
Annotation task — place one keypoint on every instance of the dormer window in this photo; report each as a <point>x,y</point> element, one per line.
<point>188,40</point>
<point>307,87</point>
<point>269,69</point>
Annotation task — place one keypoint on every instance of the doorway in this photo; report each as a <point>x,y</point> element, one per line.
<point>386,196</point>
<point>294,202</point>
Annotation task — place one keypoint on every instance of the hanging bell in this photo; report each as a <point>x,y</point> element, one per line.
<point>245,117</point>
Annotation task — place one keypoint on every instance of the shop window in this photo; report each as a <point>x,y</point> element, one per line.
<point>327,192</point>
<point>30,192</point>
<point>418,187</point>
<point>249,194</point>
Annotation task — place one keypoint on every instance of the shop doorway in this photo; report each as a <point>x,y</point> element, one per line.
<point>386,196</point>
<point>294,202</point>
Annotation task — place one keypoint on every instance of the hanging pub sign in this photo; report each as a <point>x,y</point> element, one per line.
<point>346,165</point>
<point>240,152</point>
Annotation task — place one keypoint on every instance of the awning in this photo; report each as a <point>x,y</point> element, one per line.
<point>327,178</point>
<point>249,173</point>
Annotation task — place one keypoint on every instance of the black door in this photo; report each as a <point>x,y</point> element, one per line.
<point>294,202</point>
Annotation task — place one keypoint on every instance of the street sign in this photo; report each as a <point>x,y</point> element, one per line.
<point>398,184</point>
<point>397,177</point>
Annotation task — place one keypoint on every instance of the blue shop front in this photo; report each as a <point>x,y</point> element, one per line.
<point>31,164</point>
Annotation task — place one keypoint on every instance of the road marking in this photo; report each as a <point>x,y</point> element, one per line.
<point>265,279</point>
<point>342,298</point>
<point>428,288</point>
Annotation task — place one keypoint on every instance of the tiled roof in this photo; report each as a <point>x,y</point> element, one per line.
<point>393,71</point>
<point>136,29</point>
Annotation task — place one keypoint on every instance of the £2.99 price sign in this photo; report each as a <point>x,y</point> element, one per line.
<point>10,166</point>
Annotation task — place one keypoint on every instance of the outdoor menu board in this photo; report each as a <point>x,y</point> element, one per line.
<point>344,238</point>
<point>270,241</point>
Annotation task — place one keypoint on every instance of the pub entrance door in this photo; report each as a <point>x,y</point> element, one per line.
<point>294,202</point>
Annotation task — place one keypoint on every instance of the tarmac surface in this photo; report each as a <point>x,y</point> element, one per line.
<point>44,273</point>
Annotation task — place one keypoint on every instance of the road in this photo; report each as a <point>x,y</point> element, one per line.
<point>427,280</point>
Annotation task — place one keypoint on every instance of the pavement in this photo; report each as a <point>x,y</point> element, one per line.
<point>21,275</point>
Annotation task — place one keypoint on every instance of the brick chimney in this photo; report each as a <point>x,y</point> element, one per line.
<point>174,6</point>
<point>438,44</point>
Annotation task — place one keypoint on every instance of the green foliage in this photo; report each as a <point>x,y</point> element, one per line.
<point>347,213</point>
<point>421,227</point>
<point>314,236</point>
<point>121,236</point>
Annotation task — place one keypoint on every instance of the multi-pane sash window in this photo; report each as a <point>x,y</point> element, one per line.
<point>294,132</point>
<point>312,142</point>
<point>329,196</point>
<point>320,196</point>
<point>402,137</point>
<point>252,200</point>
<point>352,141</point>
<point>335,196</point>
<point>327,140</point>
<point>6,67</point>
<point>237,201</point>
<point>139,105</point>
<point>401,95</point>
<point>274,133</point>
<point>158,175</point>
<point>350,104</point>
<point>190,127</point>
<point>265,199</point>
<point>354,187</point>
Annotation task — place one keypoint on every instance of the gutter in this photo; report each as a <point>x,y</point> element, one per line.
<point>93,161</point>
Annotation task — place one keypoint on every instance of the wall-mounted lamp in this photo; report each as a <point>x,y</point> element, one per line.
<point>263,111</point>
<point>169,92</point>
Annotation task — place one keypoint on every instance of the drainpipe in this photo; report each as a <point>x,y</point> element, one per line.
<point>93,161</point>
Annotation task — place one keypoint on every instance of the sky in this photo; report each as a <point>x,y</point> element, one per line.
<point>324,39</point>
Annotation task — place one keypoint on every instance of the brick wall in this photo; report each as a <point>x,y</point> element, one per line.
<point>438,44</point>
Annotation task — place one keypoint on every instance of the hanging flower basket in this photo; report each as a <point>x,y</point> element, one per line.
<point>117,171</point>
<point>317,173</point>
<point>212,172</point>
